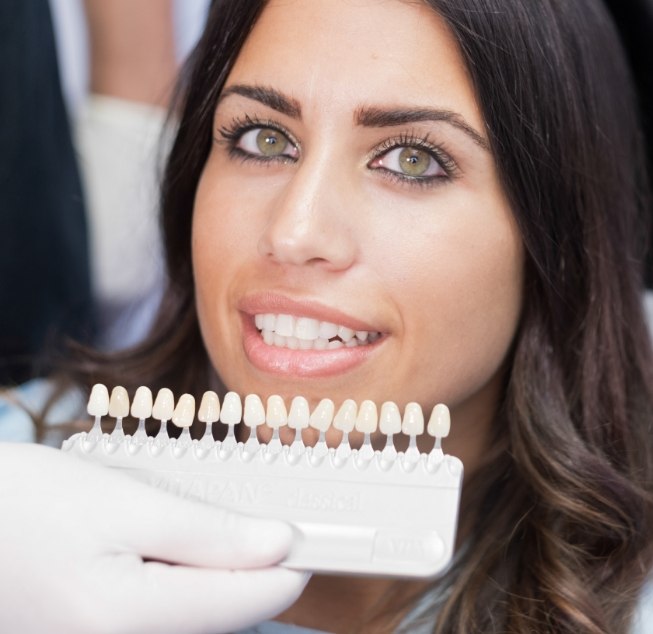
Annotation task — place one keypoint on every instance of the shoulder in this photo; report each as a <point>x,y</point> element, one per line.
<point>273,627</point>
<point>16,404</point>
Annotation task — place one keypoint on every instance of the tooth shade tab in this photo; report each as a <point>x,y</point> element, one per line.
<point>367,419</point>
<point>413,422</point>
<point>390,419</point>
<point>254,414</point>
<point>142,403</point>
<point>98,401</point>
<point>440,421</point>
<point>322,416</point>
<point>119,403</point>
<point>298,417</point>
<point>209,411</point>
<point>345,419</point>
<point>184,411</point>
<point>232,409</point>
<point>164,405</point>
<point>276,415</point>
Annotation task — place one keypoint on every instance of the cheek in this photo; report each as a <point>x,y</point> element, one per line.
<point>459,292</point>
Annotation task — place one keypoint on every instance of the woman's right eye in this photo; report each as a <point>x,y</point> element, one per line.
<point>266,143</point>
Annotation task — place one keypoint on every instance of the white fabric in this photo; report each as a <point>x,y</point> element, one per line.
<point>119,145</point>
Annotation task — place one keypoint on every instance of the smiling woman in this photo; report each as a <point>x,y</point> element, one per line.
<point>305,227</point>
<point>432,202</point>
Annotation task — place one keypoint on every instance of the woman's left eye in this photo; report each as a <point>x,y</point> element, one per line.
<point>410,162</point>
<point>266,143</point>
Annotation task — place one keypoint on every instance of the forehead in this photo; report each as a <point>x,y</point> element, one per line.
<point>344,52</point>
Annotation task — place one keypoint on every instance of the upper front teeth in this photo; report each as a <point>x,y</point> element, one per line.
<point>298,331</point>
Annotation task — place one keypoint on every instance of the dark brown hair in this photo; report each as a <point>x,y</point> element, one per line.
<point>560,518</point>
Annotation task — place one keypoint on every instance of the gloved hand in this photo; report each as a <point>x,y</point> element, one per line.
<point>84,549</point>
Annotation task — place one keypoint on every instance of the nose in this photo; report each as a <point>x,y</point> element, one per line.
<point>309,221</point>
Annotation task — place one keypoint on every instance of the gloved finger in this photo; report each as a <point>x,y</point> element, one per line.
<point>160,526</point>
<point>173,599</point>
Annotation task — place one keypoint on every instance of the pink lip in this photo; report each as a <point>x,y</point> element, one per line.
<point>300,363</point>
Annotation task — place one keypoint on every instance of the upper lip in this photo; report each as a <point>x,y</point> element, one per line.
<point>268,302</point>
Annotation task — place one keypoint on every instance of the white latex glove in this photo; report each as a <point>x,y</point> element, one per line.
<point>82,550</point>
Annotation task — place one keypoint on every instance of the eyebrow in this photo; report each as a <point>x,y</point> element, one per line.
<point>366,116</point>
<point>267,96</point>
<point>371,117</point>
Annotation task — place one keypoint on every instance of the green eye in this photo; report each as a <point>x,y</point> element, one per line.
<point>410,163</point>
<point>264,143</point>
<point>271,142</point>
<point>413,161</point>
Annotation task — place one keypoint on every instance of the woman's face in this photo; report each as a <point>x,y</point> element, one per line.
<point>350,186</point>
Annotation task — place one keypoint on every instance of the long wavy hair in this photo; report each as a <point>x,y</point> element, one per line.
<point>560,517</point>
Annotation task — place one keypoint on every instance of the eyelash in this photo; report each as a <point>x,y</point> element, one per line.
<point>234,132</point>
<point>412,140</point>
<point>231,134</point>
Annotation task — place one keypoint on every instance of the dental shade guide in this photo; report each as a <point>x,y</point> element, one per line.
<point>354,510</point>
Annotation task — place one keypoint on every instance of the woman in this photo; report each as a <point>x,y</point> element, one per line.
<point>458,182</point>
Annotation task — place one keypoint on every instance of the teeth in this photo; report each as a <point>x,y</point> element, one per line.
<point>98,402</point>
<point>209,411</point>
<point>328,330</point>
<point>366,421</point>
<point>254,413</point>
<point>304,333</point>
<point>299,413</point>
<point>440,421</point>
<point>142,403</point>
<point>345,333</point>
<point>390,419</point>
<point>232,409</point>
<point>276,415</point>
<point>322,416</point>
<point>164,405</point>
<point>413,423</point>
<point>345,419</point>
<point>184,412</point>
<point>285,325</point>
<point>119,403</point>
<point>306,328</point>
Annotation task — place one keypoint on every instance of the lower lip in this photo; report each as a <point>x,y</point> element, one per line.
<point>301,363</point>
